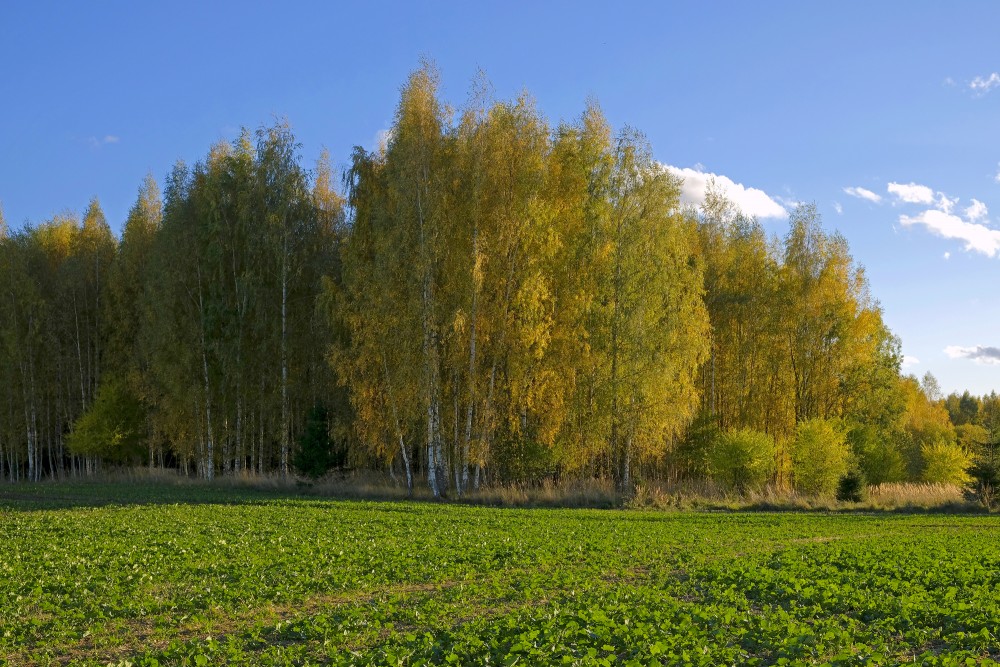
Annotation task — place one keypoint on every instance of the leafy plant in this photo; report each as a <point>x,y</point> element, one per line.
<point>851,487</point>
<point>820,457</point>
<point>188,575</point>
<point>743,460</point>
<point>945,463</point>
<point>984,481</point>
<point>315,455</point>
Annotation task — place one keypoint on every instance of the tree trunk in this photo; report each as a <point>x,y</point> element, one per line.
<point>399,429</point>
<point>467,436</point>
<point>209,463</point>
<point>284,355</point>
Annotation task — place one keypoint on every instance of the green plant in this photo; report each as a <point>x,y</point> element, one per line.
<point>693,454</point>
<point>743,460</point>
<point>851,488</point>
<point>878,457</point>
<point>315,455</point>
<point>154,575</point>
<point>945,463</point>
<point>820,457</point>
<point>984,481</point>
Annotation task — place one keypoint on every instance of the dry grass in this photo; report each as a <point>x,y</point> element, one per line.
<point>595,493</point>
<point>918,496</point>
<point>574,493</point>
<point>884,497</point>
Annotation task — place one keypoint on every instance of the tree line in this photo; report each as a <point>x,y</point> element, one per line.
<point>487,298</point>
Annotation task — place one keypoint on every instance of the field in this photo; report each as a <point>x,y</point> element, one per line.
<point>160,575</point>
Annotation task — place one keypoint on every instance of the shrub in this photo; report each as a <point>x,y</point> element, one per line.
<point>113,427</point>
<point>851,487</point>
<point>945,463</point>
<point>878,458</point>
<point>743,460</point>
<point>693,454</point>
<point>315,456</point>
<point>820,457</point>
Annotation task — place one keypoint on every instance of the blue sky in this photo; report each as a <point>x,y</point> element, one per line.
<point>886,115</point>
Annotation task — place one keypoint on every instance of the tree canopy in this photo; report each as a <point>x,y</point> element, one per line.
<point>489,298</point>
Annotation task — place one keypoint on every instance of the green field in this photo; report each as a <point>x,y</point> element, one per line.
<point>149,575</point>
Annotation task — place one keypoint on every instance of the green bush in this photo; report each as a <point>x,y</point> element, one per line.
<point>113,427</point>
<point>743,460</point>
<point>945,463</point>
<point>820,457</point>
<point>879,459</point>
<point>693,454</point>
<point>851,488</point>
<point>315,456</point>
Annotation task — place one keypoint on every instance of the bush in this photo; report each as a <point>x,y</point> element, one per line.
<point>878,458</point>
<point>820,457</point>
<point>693,454</point>
<point>113,427</point>
<point>851,488</point>
<point>315,456</point>
<point>945,463</point>
<point>743,460</point>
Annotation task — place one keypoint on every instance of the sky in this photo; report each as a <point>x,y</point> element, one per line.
<point>886,115</point>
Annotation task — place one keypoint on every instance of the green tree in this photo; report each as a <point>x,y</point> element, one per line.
<point>126,301</point>
<point>316,455</point>
<point>924,425</point>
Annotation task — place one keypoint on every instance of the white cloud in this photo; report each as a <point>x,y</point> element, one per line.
<point>982,85</point>
<point>977,211</point>
<point>981,354</point>
<point>909,361</point>
<point>945,203</point>
<point>947,255</point>
<point>787,202</point>
<point>749,200</point>
<point>977,237</point>
<point>864,193</point>
<point>912,193</point>
<point>95,142</point>
<point>838,208</point>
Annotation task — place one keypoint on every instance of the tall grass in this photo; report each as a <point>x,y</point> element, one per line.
<point>595,493</point>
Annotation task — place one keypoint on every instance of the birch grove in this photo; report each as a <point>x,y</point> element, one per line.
<point>488,298</point>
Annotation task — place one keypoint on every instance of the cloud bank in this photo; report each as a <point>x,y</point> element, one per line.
<point>981,354</point>
<point>970,224</point>
<point>751,201</point>
<point>976,237</point>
